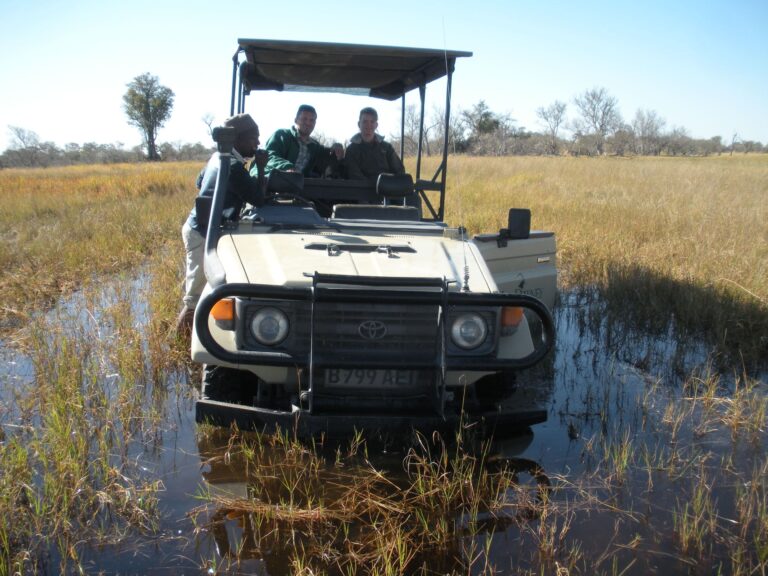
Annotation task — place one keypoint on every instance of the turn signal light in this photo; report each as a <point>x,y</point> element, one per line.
<point>511,316</point>
<point>223,313</point>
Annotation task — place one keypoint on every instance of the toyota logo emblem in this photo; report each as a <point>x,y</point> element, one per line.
<point>372,330</point>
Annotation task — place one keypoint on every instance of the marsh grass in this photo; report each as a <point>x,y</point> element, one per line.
<point>671,243</point>
<point>68,478</point>
<point>64,227</point>
<point>342,514</point>
<point>677,479</point>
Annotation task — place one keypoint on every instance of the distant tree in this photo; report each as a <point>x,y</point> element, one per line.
<point>553,117</point>
<point>622,141</point>
<point>410,133</point>
<point>583,144</point>
<point>480,119</point>
<point>712,146</point>
<point>148,105</point>
<point>750,146</point>
<point>432,131</point>
<point>734,140</point>
<point>22,138</point>
<point>208,121</point>
<point>25,148</point>
<point>647,127</point>
<point>489,133</point>
<point>678,142</point>
<point>599,115</point>
<point>457,141</point>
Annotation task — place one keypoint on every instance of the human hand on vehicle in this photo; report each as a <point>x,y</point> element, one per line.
<point>260,158</point>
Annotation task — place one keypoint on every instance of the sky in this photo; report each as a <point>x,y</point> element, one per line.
<point>699,64</point>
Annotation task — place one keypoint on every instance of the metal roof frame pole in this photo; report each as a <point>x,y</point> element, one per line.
<point>422,93</point>
<point>241,99</point>
<point>446,136</point>
<point>235,68</point>
<point>402,127</point>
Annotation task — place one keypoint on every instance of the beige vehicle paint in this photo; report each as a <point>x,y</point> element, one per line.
<point>254,256</point>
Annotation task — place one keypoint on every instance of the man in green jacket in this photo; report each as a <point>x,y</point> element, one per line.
<point>294,150</point>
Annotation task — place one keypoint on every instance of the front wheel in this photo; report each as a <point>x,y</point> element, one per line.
<point>227,385</point>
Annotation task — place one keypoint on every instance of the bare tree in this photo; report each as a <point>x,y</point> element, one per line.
<point>678,142</point>
<point>26,146</point>
<point>411,132</point>
<point>208,121</point>
<point>599,115</point>
<point>734,140</point>
<point>456,129</point>
<point>23,138</point>
<point>622,141</point>
<point>553,117</point>
<point>647,127</point>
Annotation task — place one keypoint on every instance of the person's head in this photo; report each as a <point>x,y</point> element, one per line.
<point>368,122</point>
<point>306,116</point>
<point>246,134</point>
<point>338,150</point>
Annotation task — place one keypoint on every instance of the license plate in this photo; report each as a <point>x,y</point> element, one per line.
<point>362,377</point>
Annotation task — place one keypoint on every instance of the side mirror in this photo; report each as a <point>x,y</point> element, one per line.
<point>518,224</point>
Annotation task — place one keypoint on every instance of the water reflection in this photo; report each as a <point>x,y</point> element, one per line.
<point>631,440</point>
<point>274,505</point>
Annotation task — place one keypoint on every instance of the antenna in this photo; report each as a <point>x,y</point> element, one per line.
<point>446,136</point>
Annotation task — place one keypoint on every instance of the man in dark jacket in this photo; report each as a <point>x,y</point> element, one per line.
<point>242,188</point>
<point>294,150</point>
<point>368,155</point>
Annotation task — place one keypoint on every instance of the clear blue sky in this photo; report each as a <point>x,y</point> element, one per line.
<point>701,65</point>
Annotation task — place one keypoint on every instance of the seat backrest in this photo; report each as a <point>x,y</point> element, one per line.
<point>394,186</point>
<point>375,212</point>
<point>281,182</point>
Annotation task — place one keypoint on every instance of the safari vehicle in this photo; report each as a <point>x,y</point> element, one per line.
<point>343,305</point>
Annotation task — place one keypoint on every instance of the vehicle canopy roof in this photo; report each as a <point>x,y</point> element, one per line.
<point>386,72</point>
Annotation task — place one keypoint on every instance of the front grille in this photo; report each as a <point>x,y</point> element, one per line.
<point>365,333</point>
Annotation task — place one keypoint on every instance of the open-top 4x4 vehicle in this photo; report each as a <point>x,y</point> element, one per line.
<point>342,304</point>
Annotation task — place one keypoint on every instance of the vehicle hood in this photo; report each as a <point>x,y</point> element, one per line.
<point>291,258</point>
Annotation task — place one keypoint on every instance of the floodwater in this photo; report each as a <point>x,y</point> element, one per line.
<point>604,384</point>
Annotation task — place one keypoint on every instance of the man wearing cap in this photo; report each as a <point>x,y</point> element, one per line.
<point>368,155</point>
<point>294,150</point>
<point>242,187</point>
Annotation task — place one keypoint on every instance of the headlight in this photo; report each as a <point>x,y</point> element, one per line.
<point>469,331</point>
<point>269,326</point>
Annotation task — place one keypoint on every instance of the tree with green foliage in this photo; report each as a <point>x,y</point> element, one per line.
<point>148,105</point>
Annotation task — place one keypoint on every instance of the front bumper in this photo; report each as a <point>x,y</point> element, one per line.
<point>334,425</point>
<point>311,413</point>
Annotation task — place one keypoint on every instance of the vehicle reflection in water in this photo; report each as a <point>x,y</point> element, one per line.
<point>270,503</point>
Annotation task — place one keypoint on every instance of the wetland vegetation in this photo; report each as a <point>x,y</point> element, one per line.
<point>653,459</point>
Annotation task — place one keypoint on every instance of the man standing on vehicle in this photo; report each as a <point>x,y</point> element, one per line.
<point>368,155</point>
<point>294,150</point>
<point>242,187</point>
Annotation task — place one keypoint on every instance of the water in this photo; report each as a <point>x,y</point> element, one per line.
<point>604,384</point>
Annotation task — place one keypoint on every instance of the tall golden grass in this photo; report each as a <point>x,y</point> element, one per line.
<point>66,226</point>
<point>700,219</point>
<point>663,236</point>
<point>666,237</point>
